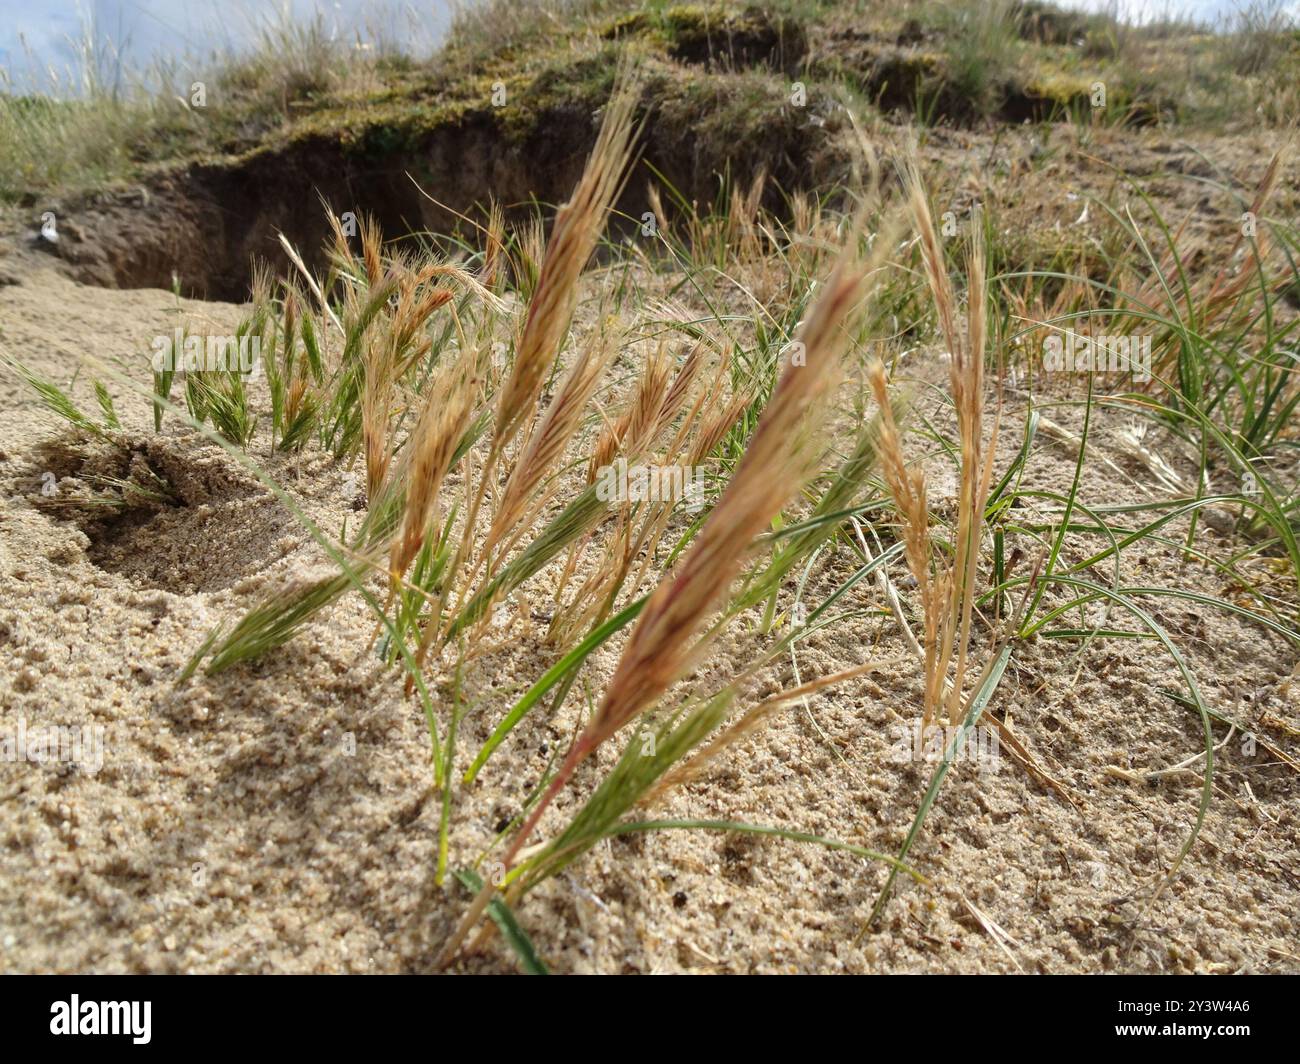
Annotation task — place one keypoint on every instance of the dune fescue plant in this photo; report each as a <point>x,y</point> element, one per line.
<point>671,632</point>
<point>449,564</point>
<point>1222,382</point>
<point>947,592</point>
<point>1202,328</point>
<point>221,396</point>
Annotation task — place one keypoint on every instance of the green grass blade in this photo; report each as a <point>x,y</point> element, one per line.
<point>981,698</point>
<point>503,916</point>
<point>550,678</point>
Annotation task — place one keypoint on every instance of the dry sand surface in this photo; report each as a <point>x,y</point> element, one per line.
<point>278,818</point>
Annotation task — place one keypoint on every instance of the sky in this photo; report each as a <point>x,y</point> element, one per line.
<point>1212,12</point>
<point>37,36</point>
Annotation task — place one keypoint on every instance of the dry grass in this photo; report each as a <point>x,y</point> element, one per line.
<point>946,588</point>
<point>781,455</point>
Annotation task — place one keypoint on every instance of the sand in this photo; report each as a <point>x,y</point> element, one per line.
<point>279,818</point>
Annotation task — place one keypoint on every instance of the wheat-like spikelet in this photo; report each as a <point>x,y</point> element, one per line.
<point>700,412</point>
<point>655,198</point>
<point>705,424</point>
<point>595,598</point>
<point>372,249</point>
<point>262,284</point>
<point>290,328</point>
<point>494,236</point>
<point>442,424</point>
<point>637,426</point>
<point>908,489</point>
<point>742,221</point>
<point>521,500</point>
<point>935,270</point>
<point>577,227</point>
<point>907,486</point>
<point>376,401</point>
<point>654,405</point>
<point>1223,292</point>
<point>676,396</point>
<point>778,459</point>
<point>702,428</point>
<point>968,392</point>
<point>716,427</point>
<point>529,250</point>
<point>775,466</point>
<point>295,393</point>
<point>947,596</point>
<point>607,444</point>
<point>411,315</point>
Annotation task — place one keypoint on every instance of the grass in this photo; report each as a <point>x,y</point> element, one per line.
<point>482,388</point>
<point>104,123</point>
<point>662,645</point>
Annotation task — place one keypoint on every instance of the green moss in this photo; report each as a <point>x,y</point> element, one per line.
<point>566,85</point>
<point>1064,89</point>
<point>745,34</point>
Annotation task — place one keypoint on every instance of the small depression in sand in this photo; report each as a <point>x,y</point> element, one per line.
<point>159,517</point>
